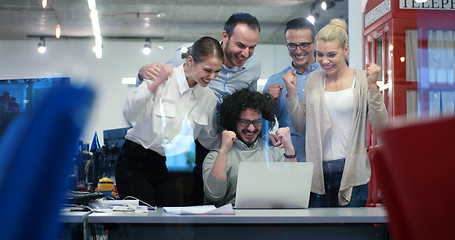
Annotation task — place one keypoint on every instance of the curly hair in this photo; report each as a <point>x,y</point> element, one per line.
<point>241,100</point>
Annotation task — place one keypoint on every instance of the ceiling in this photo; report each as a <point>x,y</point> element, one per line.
<point>160,20</point>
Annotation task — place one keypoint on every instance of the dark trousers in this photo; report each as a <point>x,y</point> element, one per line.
<point>333,171</point>
<point>141,173</point>
<point>198,183</point>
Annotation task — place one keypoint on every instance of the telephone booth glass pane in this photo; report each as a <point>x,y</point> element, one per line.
<point>438,81</point>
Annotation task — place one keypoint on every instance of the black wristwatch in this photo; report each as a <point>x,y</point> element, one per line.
<point>289,156</point>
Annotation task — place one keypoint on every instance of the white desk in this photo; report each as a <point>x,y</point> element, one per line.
<point>73,217</point>
<point>73,224</point>
<point>312,223</point>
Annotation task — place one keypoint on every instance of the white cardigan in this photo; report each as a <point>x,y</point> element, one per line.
<point>312,113</point>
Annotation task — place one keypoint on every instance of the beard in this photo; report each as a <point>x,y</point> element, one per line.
<point>248,141</point>
<point>232,58</point>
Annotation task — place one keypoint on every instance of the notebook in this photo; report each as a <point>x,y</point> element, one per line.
<point>274,185</point>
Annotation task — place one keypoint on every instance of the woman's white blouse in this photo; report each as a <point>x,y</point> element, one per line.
<point>159,117</point>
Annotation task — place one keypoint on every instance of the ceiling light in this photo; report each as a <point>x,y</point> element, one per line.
<point>129,81</point>
<point>147,21</point>
<point>57,31</point>
<point>324,5</point>
<point>161,15</point>
<point>313,15</point>
<point>91,4</point>
<point>147,47</point>
<point>96,29</point>
<point>327,5</point>
<point>42,45</point>
<point>98,47</point>
<point>311,19</point>
<point>44,3</point>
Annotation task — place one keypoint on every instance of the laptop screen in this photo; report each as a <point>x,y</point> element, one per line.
<point>274,185</point>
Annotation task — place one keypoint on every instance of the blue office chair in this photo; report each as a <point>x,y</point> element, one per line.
<point>35,158</point>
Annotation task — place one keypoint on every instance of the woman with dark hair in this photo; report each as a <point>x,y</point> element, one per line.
<point>177,100</point>
<point>241,116</point>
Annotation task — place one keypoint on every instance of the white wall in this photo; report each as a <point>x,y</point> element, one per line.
<point>355,30</point>
<point>75,59</point>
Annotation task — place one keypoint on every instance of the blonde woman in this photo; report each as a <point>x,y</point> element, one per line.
<point>336,105</point>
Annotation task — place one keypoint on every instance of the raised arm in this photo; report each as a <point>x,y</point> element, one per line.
<point>275,92</point>
<point>284,134</point>
<point>149,71</point>
<point>296,111</point>
<point>163,74</point>
<point>219,167</point>
<point>138,104</point>
<point>377,112</point>
<point>214,169</point>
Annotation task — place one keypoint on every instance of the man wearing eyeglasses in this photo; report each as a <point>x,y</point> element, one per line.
<point>240,116</point>
<point>299,35</point>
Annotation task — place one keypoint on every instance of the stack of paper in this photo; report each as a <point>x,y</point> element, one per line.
<point>201,210</point>
<point>102,205</point>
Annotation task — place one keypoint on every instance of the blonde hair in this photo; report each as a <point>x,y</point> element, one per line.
<point>335,30</point>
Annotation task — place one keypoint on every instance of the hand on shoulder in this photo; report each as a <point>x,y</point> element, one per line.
<point>149,71</point>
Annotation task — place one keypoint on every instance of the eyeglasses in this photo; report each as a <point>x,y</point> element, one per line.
<point>246,123</point>
<point>302,46</point>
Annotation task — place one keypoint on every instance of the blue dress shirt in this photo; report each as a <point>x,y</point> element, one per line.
<point>298,138</point>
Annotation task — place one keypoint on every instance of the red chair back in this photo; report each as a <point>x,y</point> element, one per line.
<point>415,171</point>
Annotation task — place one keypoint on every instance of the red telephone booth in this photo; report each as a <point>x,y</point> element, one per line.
<point>415,45</point>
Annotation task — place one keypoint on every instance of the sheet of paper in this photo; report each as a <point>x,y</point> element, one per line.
<point>201,210</point>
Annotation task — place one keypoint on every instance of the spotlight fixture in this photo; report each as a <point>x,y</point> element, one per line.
<point>42,45</point>
<point>184,50</point>
<point>324,5</point>
<point>327,4</point>
<point>147,47</point>
<point>313,14</point>
<point>311,19</point>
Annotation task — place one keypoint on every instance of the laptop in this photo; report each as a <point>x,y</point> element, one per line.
<point>274,185</point>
